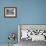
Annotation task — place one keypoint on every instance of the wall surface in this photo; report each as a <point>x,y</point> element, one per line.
<point>28,12</point>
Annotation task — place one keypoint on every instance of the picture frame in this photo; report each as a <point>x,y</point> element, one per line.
<point>10,12</point>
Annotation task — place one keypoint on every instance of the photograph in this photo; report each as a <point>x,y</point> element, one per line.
<point>10,12</point>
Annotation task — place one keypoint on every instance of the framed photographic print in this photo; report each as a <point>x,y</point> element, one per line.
<point>10,12</point>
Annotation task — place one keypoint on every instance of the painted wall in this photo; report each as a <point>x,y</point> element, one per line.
<point>28,12</point>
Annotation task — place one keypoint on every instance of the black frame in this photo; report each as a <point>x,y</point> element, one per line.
<point>10,16</point>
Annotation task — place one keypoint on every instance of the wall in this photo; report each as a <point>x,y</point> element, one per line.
<point>28,12</point>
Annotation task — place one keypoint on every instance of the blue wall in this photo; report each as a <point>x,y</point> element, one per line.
<point>28,12</point>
